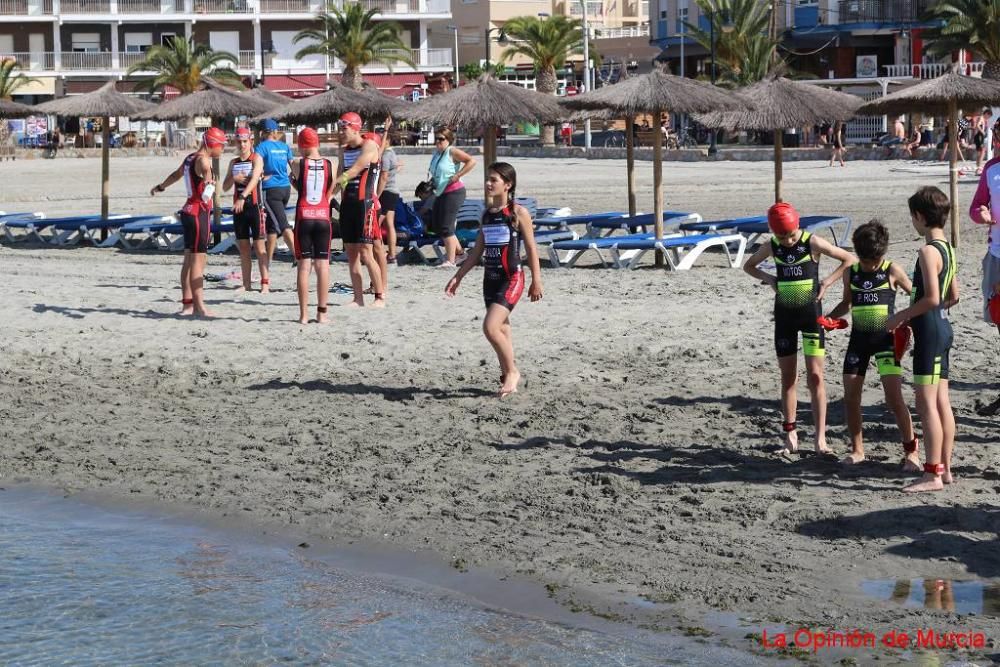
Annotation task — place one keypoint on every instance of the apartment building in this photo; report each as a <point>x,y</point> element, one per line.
<point>74,46</point>
<point>831,39</point>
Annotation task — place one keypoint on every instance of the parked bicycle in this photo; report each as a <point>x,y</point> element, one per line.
<point>681,139</point>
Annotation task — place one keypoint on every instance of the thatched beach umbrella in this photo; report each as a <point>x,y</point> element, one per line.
<point>104,103</point>
<point>215,101</point>
<point>653,93</point>
<point>776,104</point>
<point>330,105</point>
<point>486,104</point>
<point>944,95</point>
<point>10,109</point>
<point>269,96</point>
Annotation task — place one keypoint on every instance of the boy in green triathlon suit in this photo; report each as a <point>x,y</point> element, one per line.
<point>935,290</point>
<point>870,288</point>
<point>797,308</point>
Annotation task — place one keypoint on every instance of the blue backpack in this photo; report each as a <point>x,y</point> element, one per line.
<point>408,223</point>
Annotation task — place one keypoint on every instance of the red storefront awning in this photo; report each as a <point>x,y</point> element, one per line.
<point>304,85</point>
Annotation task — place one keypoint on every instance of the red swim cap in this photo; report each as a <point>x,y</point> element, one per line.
<point>244,133</point>
<point>214,137</point>
<point>782,218</point>
<point>352,119</point>
<point>308,138</point>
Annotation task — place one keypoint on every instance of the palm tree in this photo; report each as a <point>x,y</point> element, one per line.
<point>11,80</point>
<point>352,36</point>
<point>973,25</point>
<point>547,42</point>
<point>182,63</point>
<point>744,53</point>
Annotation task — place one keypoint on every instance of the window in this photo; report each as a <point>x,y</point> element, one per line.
<point>806,3</point>
<point>138,42</point>
<point>470,36</point>
<point>86,42</point>
<point>165,37</point>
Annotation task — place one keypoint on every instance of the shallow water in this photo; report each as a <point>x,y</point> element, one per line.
<point>84,584</point>
<point>962,597</point>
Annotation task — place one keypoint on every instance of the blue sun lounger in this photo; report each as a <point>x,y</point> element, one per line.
<point>148,232</point>
<point>542,238</point>
<point>74,231</point>
<point>625,251</point>
<point>33,228</point>
<point>16,217</point>
<point>756,227</point>
<point>567,221</point>
<point>639,223</point>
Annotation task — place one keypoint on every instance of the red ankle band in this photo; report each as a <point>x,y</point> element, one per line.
<point>788,427</point>
<point>934,468</point>
<point>265,281</point>
<point>320,309</point>
<point>187,302</point>
<point>910,446</point>
<point>379,296</point>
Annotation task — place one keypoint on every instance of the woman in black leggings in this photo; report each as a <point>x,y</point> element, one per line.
<point>445,172</point>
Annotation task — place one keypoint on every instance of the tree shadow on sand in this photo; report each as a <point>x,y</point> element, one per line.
<point>934,533</point>
<point>703,464</point>
<point>81,313</point>
<point>388,393</point>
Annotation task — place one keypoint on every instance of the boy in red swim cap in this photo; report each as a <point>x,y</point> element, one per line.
<point>797,305</point>
<point>196,170</point>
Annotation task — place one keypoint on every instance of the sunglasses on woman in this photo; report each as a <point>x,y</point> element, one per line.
<point>440,139</point>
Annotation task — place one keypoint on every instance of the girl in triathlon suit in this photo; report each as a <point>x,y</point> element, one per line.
<point>935,290</point>
<point>248,209</point>
<point>797,307</point>
<point>312,176</point>
<point>196,170</point>
<point>505,225</point>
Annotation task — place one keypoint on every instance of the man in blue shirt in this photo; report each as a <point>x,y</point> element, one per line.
<point>277,188</point>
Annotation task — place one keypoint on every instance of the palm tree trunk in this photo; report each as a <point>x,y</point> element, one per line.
<point>352,77</point>
<point>991,70</point>
<point>546,83</point>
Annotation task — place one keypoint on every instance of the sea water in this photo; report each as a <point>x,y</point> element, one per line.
<point>88,584</point>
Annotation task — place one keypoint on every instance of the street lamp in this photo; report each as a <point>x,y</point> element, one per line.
<point>266,48</point>
<point>712,148</point>
<point>501,40</point>
<point>587,83</point>
<point>454,28</point>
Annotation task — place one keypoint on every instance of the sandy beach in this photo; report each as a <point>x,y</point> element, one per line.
<point>637,461</point>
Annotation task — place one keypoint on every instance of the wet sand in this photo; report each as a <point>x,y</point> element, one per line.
<point>638,459</point>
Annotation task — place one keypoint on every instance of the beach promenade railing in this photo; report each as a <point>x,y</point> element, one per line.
<point>99,61</point>
<point>31,61</point>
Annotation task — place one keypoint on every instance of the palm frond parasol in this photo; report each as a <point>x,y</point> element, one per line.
<point>944,95</point>
<point>214,100</point>
<point>104,102</point>
<point>10,109</point>
<point>330,105</point>
<point>776,104</point>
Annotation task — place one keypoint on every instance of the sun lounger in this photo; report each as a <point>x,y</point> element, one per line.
<point>639,223</point>
<point>681,252</point>
<point>147,231</point>
<point>566,222</point>
<point>33,228</point>
<point>576,249</point>
<point>16,217</point>
<point>756,227</point>
<point>73,232</point>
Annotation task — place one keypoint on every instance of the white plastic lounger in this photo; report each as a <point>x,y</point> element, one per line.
<point>682,251</point>
<point>565,222</point>
<point>147,231</point>
<point>839,226</point>
<point>74,232</point>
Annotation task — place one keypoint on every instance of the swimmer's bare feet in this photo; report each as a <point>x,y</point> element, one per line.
<point>321,317</point>
<point>509,385</point>
<point>265,286</point>
<point>853,458</point>
<point>355,304</point>
<point>929,482</point>
<point>791,442</point>
<point>911,463</point>
<point>186,311</point>
<point>947,478</point>
<point>304,320</point>
<point>379,303</point>
<point>821,447</point>
<point>204,314</point>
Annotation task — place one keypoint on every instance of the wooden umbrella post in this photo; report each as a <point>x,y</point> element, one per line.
<point>630,163</point>
<point>953,168</point>
<point>489,149</point>
<point>778,176</point>
<point>657,188</point>
<point>105,171</point>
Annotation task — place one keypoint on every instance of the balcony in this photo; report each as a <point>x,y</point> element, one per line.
<point>148,6</point>
<point>94,61</point>
<point>883,11</point>
<point>85,7</point>
<point>31,62</point>
<point>25,7</point>
<point>289,6</point>
<point>222,7</point>
<point>615,33</point>
<point>929,70</point>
